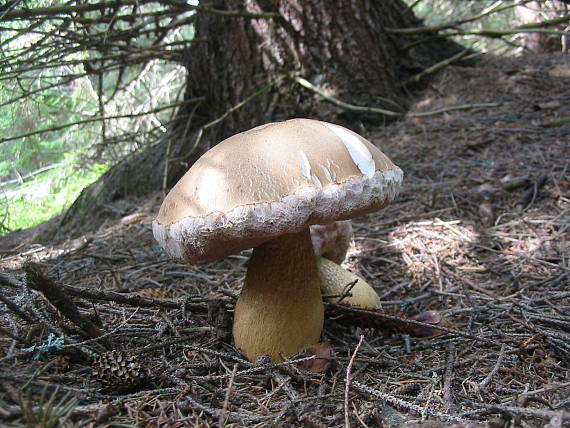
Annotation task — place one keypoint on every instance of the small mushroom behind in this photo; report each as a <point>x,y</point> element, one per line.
<point>331,241</point>
<point>350,288</point>
<point>263,188</point>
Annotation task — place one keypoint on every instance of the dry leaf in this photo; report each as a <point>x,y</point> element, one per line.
<point>318,365</point>
<point>431,317</point>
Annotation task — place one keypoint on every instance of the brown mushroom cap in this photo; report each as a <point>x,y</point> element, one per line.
<point>271,180</point>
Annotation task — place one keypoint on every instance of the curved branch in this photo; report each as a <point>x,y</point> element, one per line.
<point>346,106</point>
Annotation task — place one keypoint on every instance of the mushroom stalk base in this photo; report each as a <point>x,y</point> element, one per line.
<point>280,309</point>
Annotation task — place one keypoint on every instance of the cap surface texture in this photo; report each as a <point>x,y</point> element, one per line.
<point>274,179</point>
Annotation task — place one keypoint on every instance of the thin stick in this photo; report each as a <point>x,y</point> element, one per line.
<point>347,292</point>
<point>347,387</point>
<point>253,370</point>
<point>104,336</point>
<point>233,109</point>
<point>365,109</point>
<point>448,378</point>
<point>438,66</point>
<point>133,299</point>
<point>235,13</point>
<point>522,256</point>
<point>525,28</point>
<point>408,321</point>
<point>483,384</point>
<point>398,402</point>
<point>100,118</point>
<point>527,412</point>
<point>346,106</point>
<point>453,108</point>
<point>221,420</point>
<point>166,162</point>
<point>555,123</point>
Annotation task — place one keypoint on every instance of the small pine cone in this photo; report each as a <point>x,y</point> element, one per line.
<point>119,371</point>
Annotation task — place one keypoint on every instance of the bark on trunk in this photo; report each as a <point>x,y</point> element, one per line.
<point>340,46</point>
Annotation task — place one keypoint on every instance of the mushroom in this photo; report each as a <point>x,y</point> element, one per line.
<point>263,188</point>
<point>331,241</point>
<point>350,288</point>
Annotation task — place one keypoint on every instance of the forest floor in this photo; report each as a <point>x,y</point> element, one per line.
<point>479,233</point>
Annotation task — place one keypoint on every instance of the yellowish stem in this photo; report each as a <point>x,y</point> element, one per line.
<point>280,309</point>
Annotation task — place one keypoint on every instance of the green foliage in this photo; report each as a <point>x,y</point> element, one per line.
<point>500,17</point>
<point>46,195</point>
<point>82,91</point>
<point>46,411</point>
<point>44,110</point>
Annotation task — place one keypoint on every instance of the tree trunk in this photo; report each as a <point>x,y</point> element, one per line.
<point>245,73</point>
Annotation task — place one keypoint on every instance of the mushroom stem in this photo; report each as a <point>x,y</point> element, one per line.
<point>280,309</point>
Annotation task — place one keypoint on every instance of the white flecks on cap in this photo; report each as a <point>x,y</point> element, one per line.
<point>305,165</point>
<point>327,174</point>
<point>203,195</point>
<point>358,151</point>
<point>316,181</point>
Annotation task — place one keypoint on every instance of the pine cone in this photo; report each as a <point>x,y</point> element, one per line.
<point>118,371</point>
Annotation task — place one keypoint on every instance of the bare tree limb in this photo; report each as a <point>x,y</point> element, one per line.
<point>36,280</point>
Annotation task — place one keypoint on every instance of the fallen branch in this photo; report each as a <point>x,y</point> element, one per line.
<point>364,109</point>
<point>522,256</point>
<point>346,106</point>
<point>403,404</point>
<point>517,411</point>
<point>526,200</point>
<point>376,318</point>
<point>485,382</point>
<point>16,309</point>
<point>37,280</point>
<point>348,380</point>
<point>436,67</point>
<point>137,300</point>
<point>454,108</point>
<point>222,418</point>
